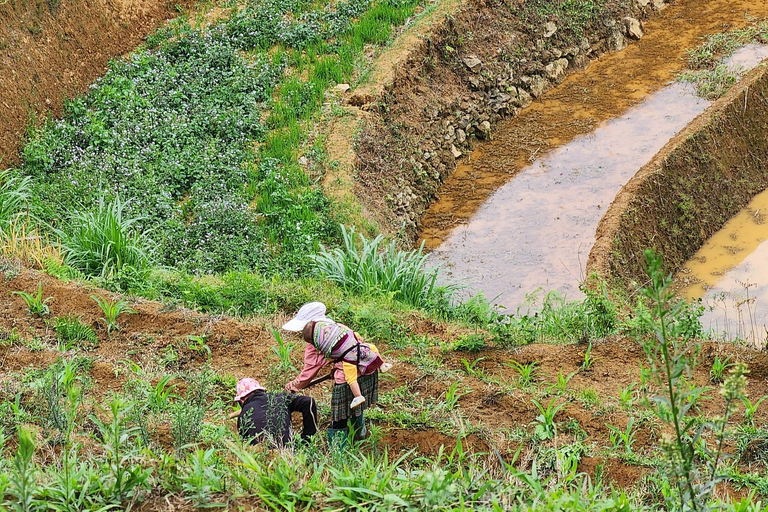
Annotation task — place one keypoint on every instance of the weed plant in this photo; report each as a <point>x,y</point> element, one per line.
<point>36,304</point>
<point>14,196</point>
<point>73,333</point>
<point>692,468</point>
<point>373,269</point>
<point>106,241</point>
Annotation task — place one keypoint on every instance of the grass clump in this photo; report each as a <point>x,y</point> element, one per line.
<point>106,241</point>
<point>706,70</point>
<point>373,269</point>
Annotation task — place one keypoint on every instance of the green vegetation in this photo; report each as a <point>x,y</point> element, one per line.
<point>36,304</point>
<point>112,310</point>
<point>194,143</point>
<point>71,332</point>
<point>706,70</point>
<point>372,269</point>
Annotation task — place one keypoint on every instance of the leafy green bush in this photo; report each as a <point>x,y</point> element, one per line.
<point>104,241</point>
<point>371,270</point>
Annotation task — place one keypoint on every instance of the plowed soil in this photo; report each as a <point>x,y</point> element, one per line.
<point>243,348</point>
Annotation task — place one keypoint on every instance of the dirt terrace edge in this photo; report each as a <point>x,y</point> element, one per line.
<point>690,189</point>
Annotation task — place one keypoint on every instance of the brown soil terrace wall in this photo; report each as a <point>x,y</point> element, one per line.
<point>480,64</point>
<point>691,188</point>
<point>51,50</point>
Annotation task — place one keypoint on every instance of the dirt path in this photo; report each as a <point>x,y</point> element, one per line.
<point>604,91</point>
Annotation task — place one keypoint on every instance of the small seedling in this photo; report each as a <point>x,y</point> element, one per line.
<point>718,369</point>
<point>627,396</point>
<point>452,395</point>
<point>283,352</point>
<point>526,372</point>
<point>623,437</point>
<point>199,343</point>
<point>561,386</point>
<point>112,310</point>
<point>751,408</point>
<point>588,361</point>
<point>471,369</point>
<point>160,394</point>
<point>546,428</point>
<point>36,305</point>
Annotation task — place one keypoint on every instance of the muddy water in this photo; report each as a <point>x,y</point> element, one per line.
<point>537,229</point>
<point>486,255</point>
<point>730,274</point>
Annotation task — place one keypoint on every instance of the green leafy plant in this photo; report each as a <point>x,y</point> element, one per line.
<point>526,372</point>
<point>160,394</point>
<point>453,394</point>
<point>22,477</point>
<point>71,331</point>
<point>627,396</point>
<point>112,310</point>
<point>546,428</point>
<point>199,343</point>
<point>750,408</point>
<point>105,241</point>
<point>36,305</point>
<point>472,369</point>
<point>624,437</point>
<point>283,351</point>
<point>469,343</point>
<point>14,194</point>
<point>561,386</point>
<point>719,366</point>
<point>672,356</point>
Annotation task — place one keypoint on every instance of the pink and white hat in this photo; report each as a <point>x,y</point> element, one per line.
<point>307,313</point>
<point>247,386</point>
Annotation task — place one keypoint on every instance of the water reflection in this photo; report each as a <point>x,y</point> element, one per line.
<point>537,230</point>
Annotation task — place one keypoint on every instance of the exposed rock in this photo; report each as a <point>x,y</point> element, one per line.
<point>455,152</point>
<point>342,88</point>
<point>538,85</point>
<point>616,41</point>
<point>580,62</point>
<point>659,4</point>
<point>556,70</point>
<point>461,137</point>
<point>549,29</point>
<point>472,62</point>
<point>642,3</point>
<point>303,161</point>
<point>634,28</point>
<point>485,129</point>
<point>523,98</point>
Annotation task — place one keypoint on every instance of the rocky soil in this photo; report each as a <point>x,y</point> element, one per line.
<point>486,62</point>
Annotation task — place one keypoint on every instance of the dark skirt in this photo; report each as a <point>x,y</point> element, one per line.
<point>342,396</point>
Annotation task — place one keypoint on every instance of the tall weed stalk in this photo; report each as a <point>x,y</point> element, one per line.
<point>673,355</point>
